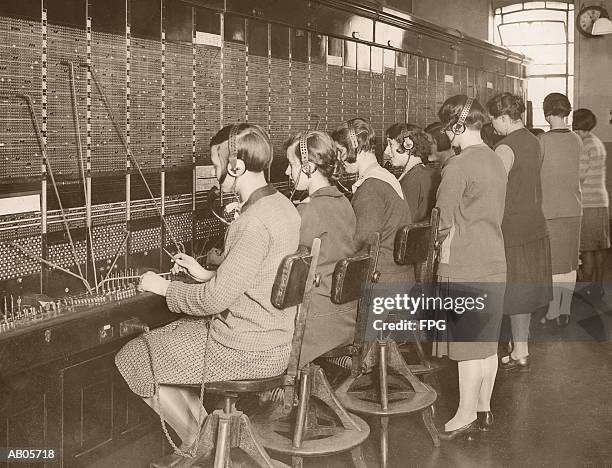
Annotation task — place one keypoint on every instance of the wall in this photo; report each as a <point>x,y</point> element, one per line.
<point>471,17</point>
<point>593,71</point>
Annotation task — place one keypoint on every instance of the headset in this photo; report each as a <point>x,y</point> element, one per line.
<point>306,168</point>
<point>406,143</point>
<point>459,127</point>
<point>352,134</point>
<point>235,166</point>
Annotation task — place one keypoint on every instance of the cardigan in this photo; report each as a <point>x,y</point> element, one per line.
<point>238,296</point>
<point>471,198</point>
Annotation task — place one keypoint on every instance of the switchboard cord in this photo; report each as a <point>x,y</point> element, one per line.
<point>87,198</point>
<point>39,138</point>
<point>129,153</point>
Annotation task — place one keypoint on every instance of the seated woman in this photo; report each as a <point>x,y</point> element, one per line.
<point>378,199</point>
<point>328,215</point>
<point>410,148</point>
<point>233,331</point>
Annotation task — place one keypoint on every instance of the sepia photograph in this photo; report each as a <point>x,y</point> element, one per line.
<point>305,233</point>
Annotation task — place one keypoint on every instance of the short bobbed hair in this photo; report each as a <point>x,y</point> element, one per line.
<point>253,146</point>
<point>584,119</point>
<point>451,110</point>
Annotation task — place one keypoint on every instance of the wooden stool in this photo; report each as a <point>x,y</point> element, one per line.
<point>370,390</point>
<point>415,244</point>
<point>228,428</point>
<point>319,426</point>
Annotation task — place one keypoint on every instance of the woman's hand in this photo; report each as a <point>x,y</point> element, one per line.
<point>185,263</point>
<point>154,283</point>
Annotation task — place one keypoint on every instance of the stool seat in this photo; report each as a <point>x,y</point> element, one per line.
<point>242,386</point>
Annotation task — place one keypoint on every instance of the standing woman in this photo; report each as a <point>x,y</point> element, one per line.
<point>529,272</point>
<point>328,215</point>
<point>595,230</point>
<point>410,147</point>
<point>561,203</point>
<point>378,199</point>
<point>233,331</point>
<point>471,200</point>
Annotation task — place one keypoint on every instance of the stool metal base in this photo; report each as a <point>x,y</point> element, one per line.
<point>319,427</point>
<point>221,432</point>
<point>391,391</point>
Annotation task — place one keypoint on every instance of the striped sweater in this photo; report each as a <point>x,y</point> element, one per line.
<point>593,173</point>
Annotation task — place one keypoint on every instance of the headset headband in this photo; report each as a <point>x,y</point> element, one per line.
<point>231,143</point>
<point>304,148</point>
<point>353,137</point>
<point>465,112</point>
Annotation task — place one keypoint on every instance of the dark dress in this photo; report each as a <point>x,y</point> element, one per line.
<point>420,185</point>
<point>529,270</point>
<point>329,216</point>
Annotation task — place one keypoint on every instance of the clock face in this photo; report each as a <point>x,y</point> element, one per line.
<point>586,19</point>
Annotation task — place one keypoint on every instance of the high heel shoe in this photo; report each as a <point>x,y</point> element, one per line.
<point>466,430</point>
<point>485,420</point>
<point>522,364</point>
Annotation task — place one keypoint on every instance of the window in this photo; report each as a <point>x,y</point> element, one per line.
<point>544,32</point>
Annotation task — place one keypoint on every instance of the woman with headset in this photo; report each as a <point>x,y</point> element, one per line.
<point>378,199</point>
<point>328,215</point>
<point>472,265</point>
<point>410,147</point>
<point>231,331</point>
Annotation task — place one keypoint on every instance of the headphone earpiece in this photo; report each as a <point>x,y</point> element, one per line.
<point>459,127</point>
<point>235,166</point>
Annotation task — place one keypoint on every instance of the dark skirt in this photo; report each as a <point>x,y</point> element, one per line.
<point>529,277</point>
<point>472,334</point>
<point>595,230</point>
<point>564,236</point>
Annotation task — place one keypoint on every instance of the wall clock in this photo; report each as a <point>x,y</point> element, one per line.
<point>587,17</point>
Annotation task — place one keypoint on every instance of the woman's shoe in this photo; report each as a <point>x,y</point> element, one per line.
<point>547,324</point>
<point>522,364</point>
<point>485,420</point>
<point>563,320</point>
<point>466,431</point>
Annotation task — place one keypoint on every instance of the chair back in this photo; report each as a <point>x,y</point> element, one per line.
<point>293,287</point>
<point>348,280</point>
<point>415,244</point>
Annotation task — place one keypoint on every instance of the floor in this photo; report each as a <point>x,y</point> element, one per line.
<point>557,415</point>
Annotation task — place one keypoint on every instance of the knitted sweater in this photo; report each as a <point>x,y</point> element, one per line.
<point>593,173</point>
<point>239,294</point>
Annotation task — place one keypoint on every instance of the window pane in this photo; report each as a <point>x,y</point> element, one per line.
<point>532,5</point>
<point>547,69</point>
<point>516,7</point>
<point>535,15</point>
<point>560,5</point>
<point>536,32</point>
<point>543,54</point>
<point>539,88</point>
